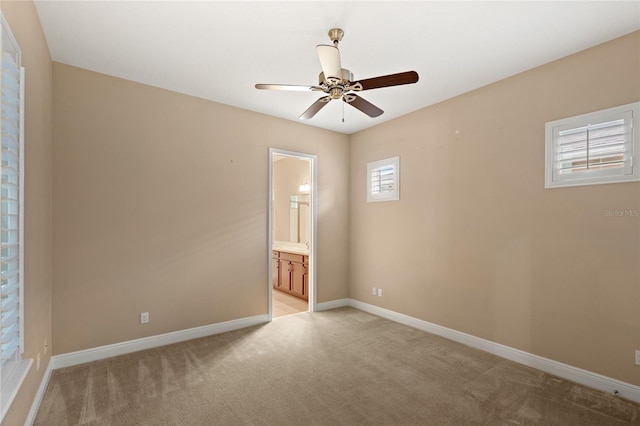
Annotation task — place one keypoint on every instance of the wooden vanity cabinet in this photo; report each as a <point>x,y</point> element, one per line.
<point>299,279</point>
<point>275,268</point>
<point>292,274</point>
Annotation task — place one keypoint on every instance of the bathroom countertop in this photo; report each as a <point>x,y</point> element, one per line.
<point>291,248</point>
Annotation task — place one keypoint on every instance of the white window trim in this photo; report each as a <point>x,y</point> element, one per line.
<point>11,388</point>
<point>384,196</point>
<point>18,374</point>
<point>596,177</point>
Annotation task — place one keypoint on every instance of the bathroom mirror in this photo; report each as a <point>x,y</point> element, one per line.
<point>291,200</point>
<point>299,218</point>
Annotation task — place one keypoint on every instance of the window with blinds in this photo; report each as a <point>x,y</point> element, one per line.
<point>593,148</point>
<point>383,180</point>
<point>11,212</point>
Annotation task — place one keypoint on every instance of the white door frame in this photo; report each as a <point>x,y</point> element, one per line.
<point>313,208</point>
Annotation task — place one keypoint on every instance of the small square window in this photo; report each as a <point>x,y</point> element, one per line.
<point>593,148</point>
<point>383,180</point>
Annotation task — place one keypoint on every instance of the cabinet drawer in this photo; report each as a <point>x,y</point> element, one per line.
<point>292,257</point>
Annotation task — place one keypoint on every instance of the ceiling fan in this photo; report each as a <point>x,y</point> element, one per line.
<point>338,83</point>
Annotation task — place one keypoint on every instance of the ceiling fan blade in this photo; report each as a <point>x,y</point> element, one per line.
<point>408,77</point>
<point>363,105</point>
<point>289,87</point>
<point>315,107</point>
<point>330,61</point>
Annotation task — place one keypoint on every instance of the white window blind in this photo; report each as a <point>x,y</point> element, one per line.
<point>593,148</point>
<point>11,214</point>
<point>383,180</point>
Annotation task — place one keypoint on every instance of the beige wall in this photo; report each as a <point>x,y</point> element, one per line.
<point>24,22</point>
<point>288,174</point>
<point>478,245</point>
<point>161,204</point>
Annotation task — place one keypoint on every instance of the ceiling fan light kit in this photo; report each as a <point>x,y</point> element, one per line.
<point>338,82</point>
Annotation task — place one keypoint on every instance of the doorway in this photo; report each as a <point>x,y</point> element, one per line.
<point>292,232</point>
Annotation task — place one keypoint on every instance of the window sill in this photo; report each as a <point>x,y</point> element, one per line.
<point>11,388</point>
<point>590,181</point>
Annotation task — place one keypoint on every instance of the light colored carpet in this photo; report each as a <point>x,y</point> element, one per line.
<point>339,367</point>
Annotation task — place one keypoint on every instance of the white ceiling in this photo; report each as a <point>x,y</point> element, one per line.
<point>220,50</point>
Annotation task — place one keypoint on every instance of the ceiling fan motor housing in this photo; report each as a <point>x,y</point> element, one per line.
<point>345,78</point>
<point>336,87</point>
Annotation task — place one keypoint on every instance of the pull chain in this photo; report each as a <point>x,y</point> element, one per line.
<point>343,111</point>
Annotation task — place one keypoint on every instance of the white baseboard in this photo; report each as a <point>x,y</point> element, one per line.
<point>102,352</point>
<point>578,375</point>
<point>333,304</point>
<point>33,411</point>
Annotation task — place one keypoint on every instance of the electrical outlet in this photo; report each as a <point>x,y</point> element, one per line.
<point>45,347</point>
<point>637,357</point>
<point>373,291</point>
<point>380,292</point>
<point>38,362</point>
<point>144,317</point>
